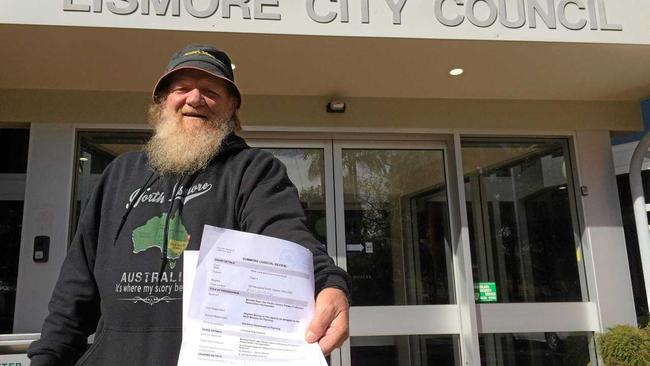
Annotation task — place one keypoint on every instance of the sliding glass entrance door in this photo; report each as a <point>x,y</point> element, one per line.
<point>393,235</point>
<point>496,280</point>
<point>383,211</point>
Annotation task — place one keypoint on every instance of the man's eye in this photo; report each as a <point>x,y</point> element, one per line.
<point>178,89</point>
<point>211,93</point>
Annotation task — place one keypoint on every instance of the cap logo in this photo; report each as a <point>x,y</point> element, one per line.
<point>199,52</point>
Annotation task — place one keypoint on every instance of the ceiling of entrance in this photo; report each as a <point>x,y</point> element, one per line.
<point>74,58</point>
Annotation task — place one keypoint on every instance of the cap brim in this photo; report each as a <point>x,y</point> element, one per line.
<point>161,80</point>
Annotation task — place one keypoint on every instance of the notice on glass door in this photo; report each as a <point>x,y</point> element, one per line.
<point>251,300</point>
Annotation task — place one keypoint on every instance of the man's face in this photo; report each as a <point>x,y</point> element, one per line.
<point>198,98</point>
<point>190,123</point>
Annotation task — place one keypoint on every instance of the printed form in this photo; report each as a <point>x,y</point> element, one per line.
<point>251,300</point>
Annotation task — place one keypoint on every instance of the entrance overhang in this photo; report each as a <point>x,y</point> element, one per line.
<point>130,60</point>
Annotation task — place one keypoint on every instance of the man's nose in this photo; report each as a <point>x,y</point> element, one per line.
<point>194,98</point>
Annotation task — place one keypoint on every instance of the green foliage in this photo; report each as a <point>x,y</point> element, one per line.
<point>624,345</point>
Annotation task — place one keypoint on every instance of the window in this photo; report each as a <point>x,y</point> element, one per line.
<point>522,220</point>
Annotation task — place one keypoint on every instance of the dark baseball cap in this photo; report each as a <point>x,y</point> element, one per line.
<point>201,57</point>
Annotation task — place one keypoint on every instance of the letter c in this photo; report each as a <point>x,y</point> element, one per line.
<point>561,14</point>
<point>446,21</point>
<point>319,18</point>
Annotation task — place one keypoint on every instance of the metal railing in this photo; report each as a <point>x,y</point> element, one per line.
<point>640,210</point>
<point>16,343</point>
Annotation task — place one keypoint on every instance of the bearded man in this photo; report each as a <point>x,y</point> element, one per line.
<point>122,277</point>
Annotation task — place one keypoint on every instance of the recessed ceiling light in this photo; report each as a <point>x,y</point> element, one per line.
<point>455,72</point>
<point>83,159</point>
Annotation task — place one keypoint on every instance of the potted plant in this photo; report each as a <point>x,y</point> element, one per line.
<point>624,345</point>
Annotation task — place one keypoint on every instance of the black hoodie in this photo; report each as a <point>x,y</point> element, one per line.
<point>122,277</point>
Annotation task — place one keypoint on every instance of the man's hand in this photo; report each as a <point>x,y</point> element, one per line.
<point>330,324</point>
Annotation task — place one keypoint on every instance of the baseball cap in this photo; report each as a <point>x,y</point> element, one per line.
<point>202,57</point>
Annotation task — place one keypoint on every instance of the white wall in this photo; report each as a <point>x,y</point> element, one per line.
<point>46,212</point>
<point>605,253</point>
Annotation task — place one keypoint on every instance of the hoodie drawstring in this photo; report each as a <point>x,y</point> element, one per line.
<point>165,243</point>
<point>130,205</point>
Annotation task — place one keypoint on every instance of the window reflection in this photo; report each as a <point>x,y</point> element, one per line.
<point>396,227</point>
<point>413,350</point>
<point>306,170</point>
<point>522,220</point>
<point>95,150</point>
<point>523,349</point>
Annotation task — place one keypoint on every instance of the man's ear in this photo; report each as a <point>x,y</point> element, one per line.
<point>235,122</point>
<point>160,97</point>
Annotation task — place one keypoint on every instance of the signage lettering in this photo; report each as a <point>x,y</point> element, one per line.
<point>572,15</point>
<point>395,6</point>
<point>548,11</point>
<point>68,5</point>
<point>241,4</point>
<point>205,13</point>
<point>129,8</point>
<point>195,8</point>
<point>485,292</point>
<point>160,7</point>
<point>505,11</point>
<point>330,16</point>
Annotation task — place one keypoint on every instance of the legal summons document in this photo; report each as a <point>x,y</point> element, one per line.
<point>250,303</point>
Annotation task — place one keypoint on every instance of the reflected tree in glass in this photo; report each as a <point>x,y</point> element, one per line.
<point>396,226</point>
<point>522,219</point>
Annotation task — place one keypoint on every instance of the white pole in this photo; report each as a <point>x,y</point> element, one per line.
<point>640,213</point>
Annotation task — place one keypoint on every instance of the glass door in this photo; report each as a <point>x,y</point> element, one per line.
<point>527,258</point>
<point>14,147</point>
<point>393,237</point>
<point>382,209</point>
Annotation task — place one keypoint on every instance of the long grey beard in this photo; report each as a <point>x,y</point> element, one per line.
<point>175,150</point>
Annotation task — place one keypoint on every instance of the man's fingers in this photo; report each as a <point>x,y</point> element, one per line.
<point>330,303</point>
<point>336,334</point>
<point>323,316</point>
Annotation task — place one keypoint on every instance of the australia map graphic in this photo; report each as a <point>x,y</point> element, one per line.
<point>150,235</point>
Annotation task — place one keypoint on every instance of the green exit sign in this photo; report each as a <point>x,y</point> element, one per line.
<point>485,292</point>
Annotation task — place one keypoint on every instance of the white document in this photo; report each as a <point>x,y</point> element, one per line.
<point>251,300</point>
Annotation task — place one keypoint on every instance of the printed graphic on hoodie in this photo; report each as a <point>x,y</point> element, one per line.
<point>150,236</point>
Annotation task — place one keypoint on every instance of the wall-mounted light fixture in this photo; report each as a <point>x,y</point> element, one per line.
<point>336,106</point>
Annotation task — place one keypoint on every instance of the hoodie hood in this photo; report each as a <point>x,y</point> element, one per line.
<point>231,144</point>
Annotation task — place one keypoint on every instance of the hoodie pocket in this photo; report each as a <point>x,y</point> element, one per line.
<point>131,347</point>
<point>96,344</point>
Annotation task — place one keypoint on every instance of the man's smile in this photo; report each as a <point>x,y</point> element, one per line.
<point>194,115</point>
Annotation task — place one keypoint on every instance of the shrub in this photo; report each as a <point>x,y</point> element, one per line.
<point>624,345</point>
